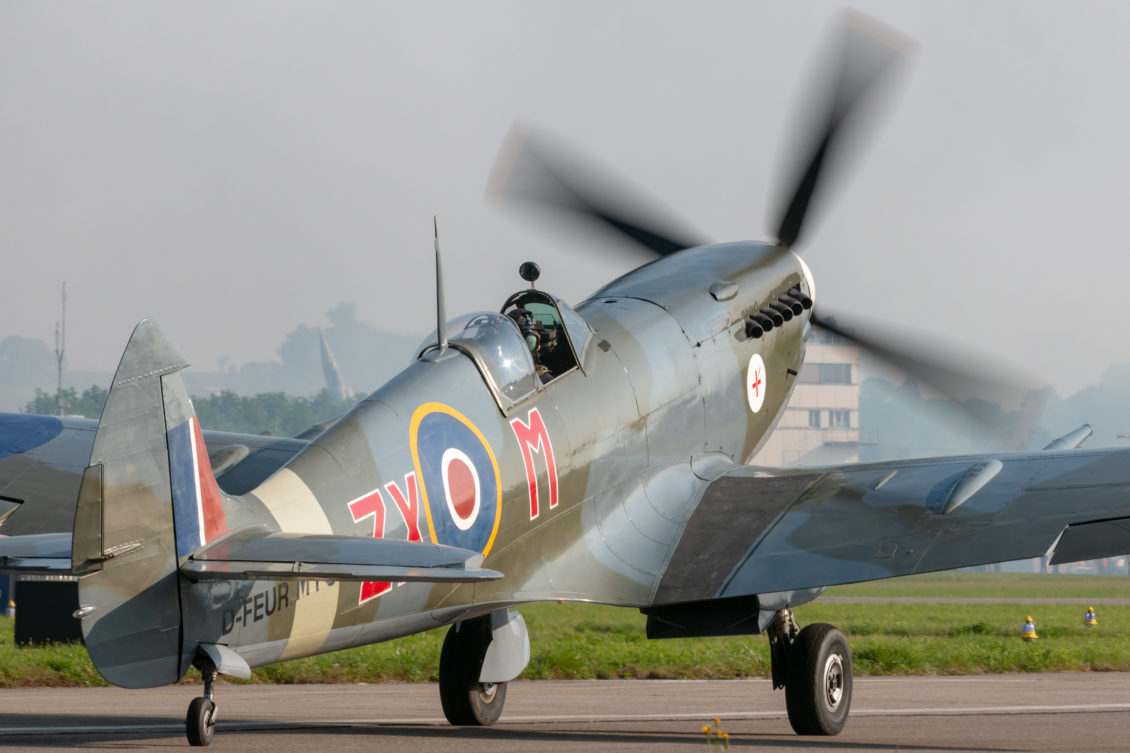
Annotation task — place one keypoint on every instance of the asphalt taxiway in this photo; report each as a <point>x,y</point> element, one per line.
<point>1037,712</point>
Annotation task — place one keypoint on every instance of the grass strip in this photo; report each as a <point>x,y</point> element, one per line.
<point>995,585</point>
<point>583,641</point>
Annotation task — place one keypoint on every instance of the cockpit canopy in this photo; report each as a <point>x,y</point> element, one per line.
<point>497,347</point>
<point>514,365</point>
<point>557,328</point>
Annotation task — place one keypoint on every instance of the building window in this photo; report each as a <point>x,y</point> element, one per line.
<point>814,418</point>
<point>840,419</point>
<point>835,373</point>
<point>825,373</point>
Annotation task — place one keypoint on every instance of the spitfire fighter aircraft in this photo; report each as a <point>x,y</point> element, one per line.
<point>533,451</point>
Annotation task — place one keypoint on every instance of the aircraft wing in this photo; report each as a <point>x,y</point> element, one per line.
<point>44,553</point>
<point>286,556</point>
<point>42,459</point>
<point>761,531</point>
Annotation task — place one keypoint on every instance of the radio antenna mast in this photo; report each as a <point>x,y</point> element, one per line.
<point>441,315</point>
<point>60,345</point>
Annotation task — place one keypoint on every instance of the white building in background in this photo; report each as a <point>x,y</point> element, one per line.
<point>820,425</point>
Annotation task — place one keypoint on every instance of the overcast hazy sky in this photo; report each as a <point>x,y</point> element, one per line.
<point>235,169</point>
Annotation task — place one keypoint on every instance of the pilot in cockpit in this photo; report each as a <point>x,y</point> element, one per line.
<point>533,332</point>
<point>527,325</point>
<point>540,323</point>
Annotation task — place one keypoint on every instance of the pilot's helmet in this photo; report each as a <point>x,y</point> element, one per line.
<point>527,325</point>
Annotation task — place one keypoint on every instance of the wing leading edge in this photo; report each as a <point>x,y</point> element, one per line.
<point>759,531</point>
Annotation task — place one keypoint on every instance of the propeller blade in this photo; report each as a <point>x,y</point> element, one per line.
<point>867,50</point>
<point>932,364</point>
<point>534,169</point>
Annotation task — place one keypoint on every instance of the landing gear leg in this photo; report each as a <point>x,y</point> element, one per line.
<point>814,666</point>
<point>465,700</point>
<point>782,633</point>
<point>200,722</point>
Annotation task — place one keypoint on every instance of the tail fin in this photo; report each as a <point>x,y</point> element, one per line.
<point>148,499</point>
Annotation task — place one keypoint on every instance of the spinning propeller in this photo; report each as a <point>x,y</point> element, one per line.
<point>533,169</point>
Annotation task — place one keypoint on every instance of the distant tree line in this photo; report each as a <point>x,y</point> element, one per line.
<point>367,358</point>
<point>88,404</point>
<point>270,412</point>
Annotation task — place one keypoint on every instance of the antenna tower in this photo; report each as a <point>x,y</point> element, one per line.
<point>60,344</point>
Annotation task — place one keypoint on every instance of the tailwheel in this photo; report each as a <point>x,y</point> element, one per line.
<point>465,700</point>
<point>200,722</point>
<point>818,686</point>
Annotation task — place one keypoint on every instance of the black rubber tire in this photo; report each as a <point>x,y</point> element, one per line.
<point>200,721</point>
<point>818,688</point>
<point>467,702</point>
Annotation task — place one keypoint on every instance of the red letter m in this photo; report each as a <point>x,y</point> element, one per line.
<point>533,438</point>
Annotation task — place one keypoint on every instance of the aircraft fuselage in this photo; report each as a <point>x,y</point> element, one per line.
<point>576,491</point>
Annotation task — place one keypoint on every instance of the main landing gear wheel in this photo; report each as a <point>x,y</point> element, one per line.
<point>465,700</point>
<point>818,688</point>
<point>200,722</point>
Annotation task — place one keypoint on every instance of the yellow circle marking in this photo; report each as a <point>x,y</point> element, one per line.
<point>425,410</point>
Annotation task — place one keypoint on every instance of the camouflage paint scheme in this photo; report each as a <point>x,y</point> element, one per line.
<point>622,428</point>
<point>620,482</point>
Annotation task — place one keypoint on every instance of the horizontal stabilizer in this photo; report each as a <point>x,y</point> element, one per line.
<point>197,570</point>
<point>285,556</point>
<point>1071,440</point>
<point>36,553</point>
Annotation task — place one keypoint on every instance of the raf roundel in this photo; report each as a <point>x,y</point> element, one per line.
<point>755,382</point>
<point>460,486</point>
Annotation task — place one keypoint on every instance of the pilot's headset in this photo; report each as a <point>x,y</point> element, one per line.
<point>527,325</point>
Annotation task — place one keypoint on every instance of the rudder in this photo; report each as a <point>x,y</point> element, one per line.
<point>143,479</point>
